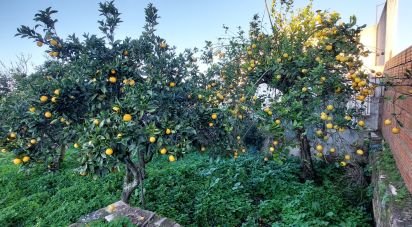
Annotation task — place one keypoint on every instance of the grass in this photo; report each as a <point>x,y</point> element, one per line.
<point>38,198</point>
<point>387,164</point>
<point>193,191</point>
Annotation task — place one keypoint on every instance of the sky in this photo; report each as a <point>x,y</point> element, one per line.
<point>183,23</point>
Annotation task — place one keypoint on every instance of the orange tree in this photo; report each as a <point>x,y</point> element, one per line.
<point>221,126</point>
<point>118,101</point>
<point>30,127</point>
<point>312,60</point>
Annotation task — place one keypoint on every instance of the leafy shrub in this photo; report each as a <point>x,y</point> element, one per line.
<point>195,191</point>
<point>248,191</point>
<point>53,199</point>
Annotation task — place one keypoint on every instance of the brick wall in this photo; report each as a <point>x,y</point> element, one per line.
<point>401,144</point>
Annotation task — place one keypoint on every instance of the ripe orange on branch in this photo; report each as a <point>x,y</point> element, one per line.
<point>396,130</point>
<point>387,122</point>
<point>26,159</point>
<point>47,114</point>
<point>172,158</point>
<point>127,117</point>
<point>43,99</point>
<point>152,139</point>
<point>53,42</point>
<point>361,123</point>
<point>12,135</point>
<point>17,161</point>
<point>57,92</point>
<point>112,79</point>
<point>109,151</point>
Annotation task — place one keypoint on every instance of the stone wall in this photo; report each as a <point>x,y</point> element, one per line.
<point>392,203</point>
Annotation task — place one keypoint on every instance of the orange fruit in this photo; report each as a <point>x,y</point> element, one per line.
<point>387,122</point>
<point>17,161</point>
<point>359,152</point>
<point>329,107</point>
<point>127,117</point>
<point>172,158</point>
<point>109,151</point>
<point>112,79</point>
<point>271,149</point>
<point>47,114</point>
<point>396,130</point>
<point>12,135</point>
<point>53,42</point>
<point>43,98</point>
<point>361,123</point>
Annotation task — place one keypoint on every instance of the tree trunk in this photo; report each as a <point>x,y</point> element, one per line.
<point>142,165</point>
<point>61,155</point>
<point>131,180</point>
<point>135,175</point>
<point>57,160</point>
<point>267,143</point>
<point>308,171</point>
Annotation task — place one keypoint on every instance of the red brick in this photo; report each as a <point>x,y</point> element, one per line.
<point>401,144</point>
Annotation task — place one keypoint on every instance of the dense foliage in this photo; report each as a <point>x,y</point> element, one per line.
<point>311,61</point>
<point>195,191</point>
<point>120,103</point>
